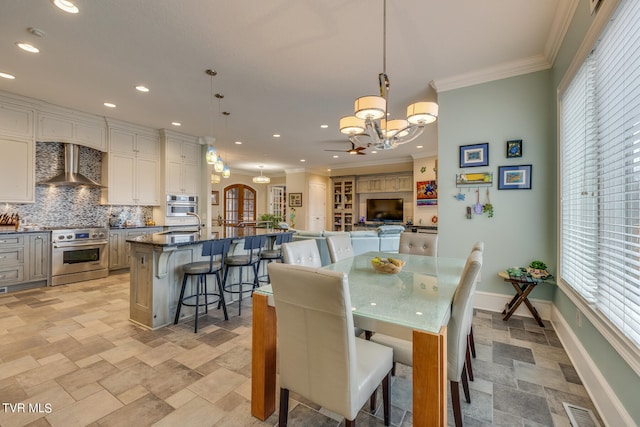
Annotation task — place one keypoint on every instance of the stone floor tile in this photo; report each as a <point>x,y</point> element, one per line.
<point>524,335</point>
<point>147,409</point>
<point>18,366</point>
<point>180,398</point>
<point>132,394</point>
<point>519,403</point>
<point>85,411</point>
<point>160,354</point>
<point>217,384</point>
<point>505,354</point>
<point>169,378</point>
<point>570,374</point>
<point>197,356</point>
<point>303,416</point>
<point>196,412</point>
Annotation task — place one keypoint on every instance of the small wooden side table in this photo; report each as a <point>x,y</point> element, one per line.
<point>523,286</point>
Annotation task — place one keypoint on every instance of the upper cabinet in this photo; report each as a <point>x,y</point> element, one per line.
<point>390,183</point>
<point>17,152</point>
<point>62,125</point>
<point>132,166</point>
<point>181,163</point>
<point>16,120</point>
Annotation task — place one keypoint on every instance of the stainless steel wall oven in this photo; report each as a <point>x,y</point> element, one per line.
<point>178,205</point>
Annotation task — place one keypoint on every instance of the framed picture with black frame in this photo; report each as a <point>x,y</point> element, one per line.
<point>514,177</point>
<point>514,148</point>
<point>295,200</point>
<point>474,155</point>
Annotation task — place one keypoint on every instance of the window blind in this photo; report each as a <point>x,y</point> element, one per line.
<point>600,174</point>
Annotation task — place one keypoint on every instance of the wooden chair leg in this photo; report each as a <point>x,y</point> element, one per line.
<point>393,369</point>
<point>468,362</point>
<point>349,423</point>
<point>465,385</point>
<point>455,403</point>
<point>284,407</point>
<point>386,397</point>
<point>472,343</point>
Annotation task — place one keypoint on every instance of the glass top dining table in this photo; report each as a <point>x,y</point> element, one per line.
<point>418,297</point>
<point>413,304</point>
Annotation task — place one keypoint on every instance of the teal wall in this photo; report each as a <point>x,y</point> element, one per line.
<point>524,222</point>
<point>524,226</point>
<point>624,381</point>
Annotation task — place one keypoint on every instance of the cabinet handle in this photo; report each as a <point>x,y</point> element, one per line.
<point>38,238</point>
<point>3,241</point>
<point>1,276</point>
<point>2,257</point>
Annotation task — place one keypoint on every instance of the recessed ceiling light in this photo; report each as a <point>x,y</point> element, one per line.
<point>374,152</point>
<point>142,88</point>
<point>419,146</point>
<point>238,142</point>
<point>324,126</point>
<point>7,76</point>
<point>66,5</point>
<point>336,156</point>
<point>28,47</point>
<point>276,135</point>
<point>176,123</point>
<point>329,170</point>
<point>109,104</point>
<point>303,160</point>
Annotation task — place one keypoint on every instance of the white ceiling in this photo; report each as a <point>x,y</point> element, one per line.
<point>284,66</point>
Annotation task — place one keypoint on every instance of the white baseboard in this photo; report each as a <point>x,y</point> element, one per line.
<point>496,302</point>
<point>611,410</point>
<point>609,407</point>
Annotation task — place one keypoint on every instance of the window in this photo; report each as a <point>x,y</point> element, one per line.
<point>239,204</point>
<point>600,175</point>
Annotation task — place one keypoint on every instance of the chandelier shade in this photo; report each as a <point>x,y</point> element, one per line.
<point>211,155</point>
<point>370,107</point>
<point>218,164</point>
<point>226,172</point>
<point>351,125</point>
<point>215,179</point>
<point>261,179</point>
<point>422,113</point>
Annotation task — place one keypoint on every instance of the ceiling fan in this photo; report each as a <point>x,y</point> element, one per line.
<point>353,150</point>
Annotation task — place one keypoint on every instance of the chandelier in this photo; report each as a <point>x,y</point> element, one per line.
<point>370,126</point>
<point>261,179</point>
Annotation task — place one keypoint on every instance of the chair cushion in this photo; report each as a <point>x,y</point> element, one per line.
<point>402,349</point>
<point>201,267</point>
<point>305,233</point>
<point>356,234</point>
<point>271,254</point>
<point>390,229</point>
<point>241,260</point>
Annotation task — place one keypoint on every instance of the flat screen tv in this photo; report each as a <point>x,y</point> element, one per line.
<point>385,210</point>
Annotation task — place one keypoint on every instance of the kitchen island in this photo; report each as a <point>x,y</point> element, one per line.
<point>156,269</point>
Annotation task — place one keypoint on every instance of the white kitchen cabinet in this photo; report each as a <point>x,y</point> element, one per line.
<point>389,183</point>
<point>12,259</point>
<point>16,120</point>
<point>73,127</point>
<point>182,165</point>
<point>343,203</point>
<point>132,168</point>
<point>17,170</point>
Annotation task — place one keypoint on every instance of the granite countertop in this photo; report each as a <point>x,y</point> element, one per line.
<point>23,231</point>
<point>185,238</point>
<point>126,227</point>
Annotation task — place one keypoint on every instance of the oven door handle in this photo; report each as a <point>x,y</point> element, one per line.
<point>72,244</point>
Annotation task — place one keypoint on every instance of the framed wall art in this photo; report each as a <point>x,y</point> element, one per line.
<point>215,197</point>
<point>427,193</point>
<point>514,177</point>
<point>295,200</point>
<point>474,155</point>
<point>514,148</point>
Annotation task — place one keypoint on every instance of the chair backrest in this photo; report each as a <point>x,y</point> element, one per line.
<point>478,246</point>
<point>418,244</point>
<point>457,328</point>
<point>283,238</point>
<point>316,344</point>
<point>339,247</point>
<point>302,252</point>
<point>216,248</point>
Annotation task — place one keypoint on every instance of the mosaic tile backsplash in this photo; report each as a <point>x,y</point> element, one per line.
<point>71,206</point>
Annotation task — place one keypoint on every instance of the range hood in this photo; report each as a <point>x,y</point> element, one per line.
<point>71,177</point>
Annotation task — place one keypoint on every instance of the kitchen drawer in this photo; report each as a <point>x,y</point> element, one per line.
<point>11,275</point>
<point>11,256</point>
<point>11,239</point>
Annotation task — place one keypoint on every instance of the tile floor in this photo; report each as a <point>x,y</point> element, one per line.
<point>70,357</point>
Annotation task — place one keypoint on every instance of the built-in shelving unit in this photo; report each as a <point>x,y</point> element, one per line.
<point>343,203</point>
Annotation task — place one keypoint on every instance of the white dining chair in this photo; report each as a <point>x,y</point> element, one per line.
<point>302,252</point>
<point>418,244</point>
<point>319,358</point>
<point>339,246</point>
<point>456,336</point>
<point>471,345</point>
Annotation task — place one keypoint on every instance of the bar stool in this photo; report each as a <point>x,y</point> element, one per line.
<point>201,269</point>
<point>275,254</point>
<point>253,246</point>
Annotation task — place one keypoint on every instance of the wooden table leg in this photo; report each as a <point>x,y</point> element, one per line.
<point>263,358</point>
<point>430,378</point>
<point>522,296</point>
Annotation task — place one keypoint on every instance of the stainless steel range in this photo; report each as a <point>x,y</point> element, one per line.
<point>78,254</point>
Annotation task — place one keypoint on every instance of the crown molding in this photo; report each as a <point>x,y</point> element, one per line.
<point>559,28</point>
<point>499,72</point>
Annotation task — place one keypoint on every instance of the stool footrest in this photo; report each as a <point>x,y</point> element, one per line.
<point>206,299</point>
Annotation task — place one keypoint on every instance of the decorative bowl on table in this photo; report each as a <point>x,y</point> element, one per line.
<point>387,265</point>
